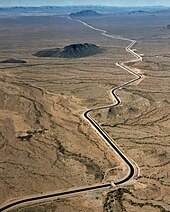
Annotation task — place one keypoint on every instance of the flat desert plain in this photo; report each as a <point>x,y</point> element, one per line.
<point>45,143</point>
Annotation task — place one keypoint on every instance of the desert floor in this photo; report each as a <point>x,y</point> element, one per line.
<point>46,145</point>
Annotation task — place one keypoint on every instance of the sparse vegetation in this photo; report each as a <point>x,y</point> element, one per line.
<point>52,92</point>
<point>91,166</point>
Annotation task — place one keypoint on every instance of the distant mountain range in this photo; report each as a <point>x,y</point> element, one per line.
<point>85,13</point>
<point>74,9</point>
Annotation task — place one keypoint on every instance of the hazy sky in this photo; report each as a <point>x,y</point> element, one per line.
<point>7,3</point>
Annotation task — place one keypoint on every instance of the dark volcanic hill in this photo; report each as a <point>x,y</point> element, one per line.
<point>168,26</point>
<point>12,60</point>
<point>71,51</point>
<point>85,13</point>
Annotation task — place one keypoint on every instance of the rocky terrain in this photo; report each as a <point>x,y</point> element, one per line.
<point>47,146</point>
<point>71,51</point>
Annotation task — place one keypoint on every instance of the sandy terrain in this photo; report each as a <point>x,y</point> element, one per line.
<point>45,145</point>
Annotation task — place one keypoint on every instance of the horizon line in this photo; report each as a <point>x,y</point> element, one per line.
<point>90,5</point>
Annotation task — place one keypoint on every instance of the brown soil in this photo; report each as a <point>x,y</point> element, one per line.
<point>46,145</point>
